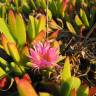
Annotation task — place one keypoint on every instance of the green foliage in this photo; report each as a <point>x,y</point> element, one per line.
<point>35,26</point>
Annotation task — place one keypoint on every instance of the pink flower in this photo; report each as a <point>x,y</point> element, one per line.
<point>43,55</point>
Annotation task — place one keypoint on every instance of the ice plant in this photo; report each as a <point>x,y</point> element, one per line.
<point>25,84</point>
<point>43,55</point>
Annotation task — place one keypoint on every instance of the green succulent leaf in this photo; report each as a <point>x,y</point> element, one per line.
<point>23,85</point>
<point>84,90</point>
<point>18,69</point>
<point>66,72</point>
<point>36,25</point>
<point>43,4</point>
<point>2,72</point>
<point>14,51</point>
<point>52,6</point>
<point>71,28</point>
<point>12,24</point>
<point>31,28</point>
<point>4,29</point>
<point>33,4</point>
<point>3,62</point>
<point>84,17</point>
<point>41,23</point>
<point>78,20</point>
<point>68,85</point>
<point>44,94</point>
<point>21,30</point>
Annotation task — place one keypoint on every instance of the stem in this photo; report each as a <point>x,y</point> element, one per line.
<point>47,1</point>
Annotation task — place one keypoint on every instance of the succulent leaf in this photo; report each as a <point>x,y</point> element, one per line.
<point>4,29</point>
<point>71,28</point>
<point>14,51</point>
<point>84,17</point>
<point>84,90</point>
<point>21,30</point>
<point>66,72</point>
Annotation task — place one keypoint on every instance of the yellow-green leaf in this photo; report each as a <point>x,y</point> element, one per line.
<point>17,69</point>
<point>41,23</point>
<point>12,24</point>
<point>36,25</point>
<point>2,72</point>
<point>21,30</point>
<point>83,91</point>
<point>70,28</point>
<point>31,28</point>
<point>3,62</point>
<point>84,17</point>
<point>4,29</point>
<point>44,94</point>
<point>78,20</point>
<point>14,51</point>
<point>68,85</point>
<point>66,72</point>
<point>43,4</point>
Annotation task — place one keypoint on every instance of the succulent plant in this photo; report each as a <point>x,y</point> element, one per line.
<point>45,47</point>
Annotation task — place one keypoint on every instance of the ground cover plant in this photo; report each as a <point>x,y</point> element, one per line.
<point>47,48</point>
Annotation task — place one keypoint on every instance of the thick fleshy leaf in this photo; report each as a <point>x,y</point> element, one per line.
<point>49,14</point>
<point>53,24</point>
<point>21,30</point>
<point>39,37</point>
<point>55,34</point>
<point>38,3</point>
<point>66,87</point>
<point>64,6</point>
<point>36,25</point>
<point>4,43</point>
<point>78,21</point>
<point>33,4</point>
<point>66,72</point>
<point>14,51</point>
<point>84,17</point>
<point>76,83</point>
<point>24,85</point>
<point>31,29</point>
<point>41,23</point>
<point>84,90</point>
<point>73,92</point>
<point>44,94</point>
<point>4,29</point>
<point>17,69</point>
<point>70,84</point>
<point>2,72</point>
<point>43,4</point>
<point>3,62</point>
<point>12,24</point>
<point>70,28</point>
<point>53,7</point>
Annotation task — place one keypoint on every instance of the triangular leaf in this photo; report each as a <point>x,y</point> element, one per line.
<point>66,73</point>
